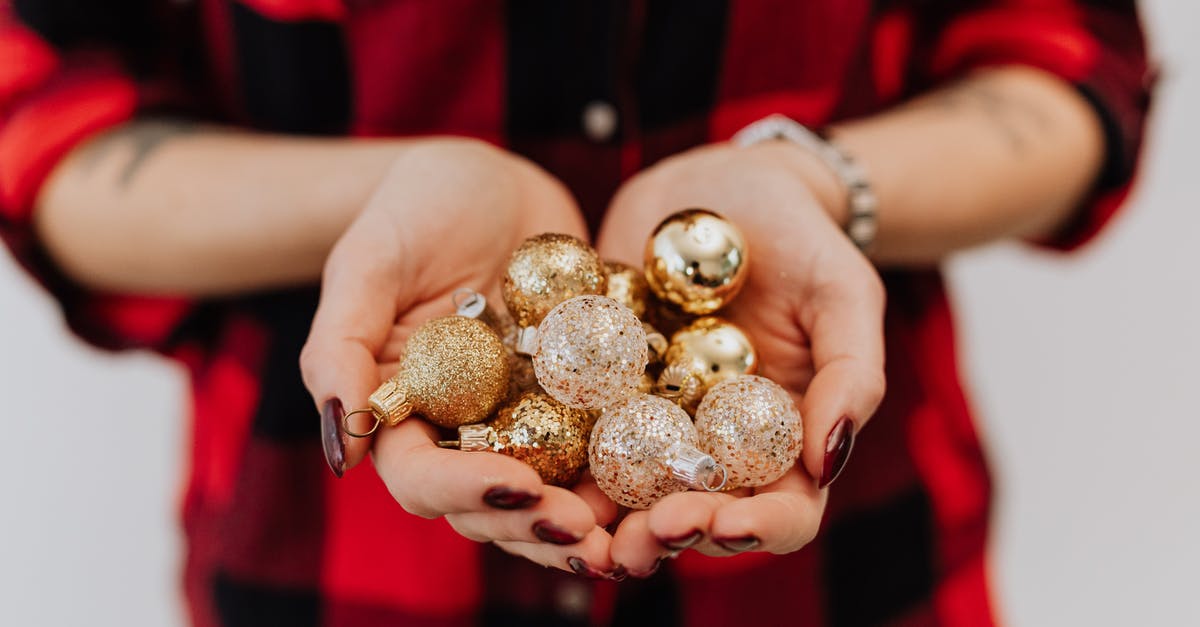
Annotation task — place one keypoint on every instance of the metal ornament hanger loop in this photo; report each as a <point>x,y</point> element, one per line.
<point>346,423</point>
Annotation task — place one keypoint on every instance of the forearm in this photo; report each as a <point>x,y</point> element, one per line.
<point>161,207</point>
<point>1005,153</point>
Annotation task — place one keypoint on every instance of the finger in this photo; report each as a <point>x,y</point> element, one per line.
<point>430,481</point>
<point>352,322</point>
<point>780,518</point>
<point>588,558</point>
<point>636,548</point>
<point>682,520</point>
<point>560,517</point>
<point>603,508</point>
<point>846,332</point>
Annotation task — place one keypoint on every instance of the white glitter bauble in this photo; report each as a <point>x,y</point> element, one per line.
<point>646,448</point>
<point>591,352</point>
<point>750,424</point>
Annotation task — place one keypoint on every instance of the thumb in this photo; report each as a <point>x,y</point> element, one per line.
<point>338,361</point>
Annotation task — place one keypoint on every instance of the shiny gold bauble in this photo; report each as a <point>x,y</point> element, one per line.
<point>702,354</point>
<point>627,285</point>
<point>696,260</point>
<point>538,430</point>
<point>546,270</point>
<point>454,372</point>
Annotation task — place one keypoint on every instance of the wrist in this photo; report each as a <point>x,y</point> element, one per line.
<point>816,175</point>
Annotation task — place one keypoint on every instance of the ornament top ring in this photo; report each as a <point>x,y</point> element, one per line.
<point>696,259</point>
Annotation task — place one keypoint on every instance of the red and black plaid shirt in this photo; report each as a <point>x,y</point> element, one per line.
<point>273,538</point>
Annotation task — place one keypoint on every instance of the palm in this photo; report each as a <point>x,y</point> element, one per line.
<point>812,307</point>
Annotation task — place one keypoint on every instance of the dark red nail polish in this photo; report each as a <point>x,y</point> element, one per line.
<point>618,574</point>
<point>737,545</point>
<point>502,497</point>
<point>582,569</point>
<point>682,542</point>
<point>331,436</point>
<point>547,531</point>
<point>837,450</point>
<point>653,569</point>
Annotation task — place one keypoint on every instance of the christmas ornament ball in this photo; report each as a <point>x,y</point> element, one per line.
<point>538,430</point>
<point>546,270</point>
<point>454,371</point>
<point>750,425</point>
<point>696,260</point>
<point>591,352</point>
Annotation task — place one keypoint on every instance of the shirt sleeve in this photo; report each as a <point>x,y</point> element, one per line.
<point>52,99</point>
<point>1098,46</point>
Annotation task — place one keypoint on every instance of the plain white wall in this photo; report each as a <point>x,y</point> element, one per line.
<point>1083,370</point>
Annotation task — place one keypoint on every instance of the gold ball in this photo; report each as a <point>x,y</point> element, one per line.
<point>696,260</point>
<point>549,436</point>
<point>546,270</point>
<point>627,285</point>
<point>454,371</point>
<point>712,349</point>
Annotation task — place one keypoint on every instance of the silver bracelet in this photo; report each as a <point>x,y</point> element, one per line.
<point>861,199</point>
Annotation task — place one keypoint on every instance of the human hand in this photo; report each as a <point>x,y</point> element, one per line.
<point>447,216</point>
<point>813,306</point>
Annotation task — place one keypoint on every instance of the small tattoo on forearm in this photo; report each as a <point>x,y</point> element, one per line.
<point>143,137</point>
<point>1016,119</point>
<point>148,136</point>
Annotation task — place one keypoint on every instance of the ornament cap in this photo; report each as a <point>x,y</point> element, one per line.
<point>468,302</point>
<point>476,438</point>
<point>696,469</point>
<point>390,403</point>
<point>656,342</point>
<point>680,382</point>
<point>527,341</point>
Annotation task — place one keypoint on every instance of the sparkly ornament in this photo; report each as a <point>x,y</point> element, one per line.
<point>589,352</point>
<point>696,260</point>
<point>546,270</point>
<point>646,448</point>
<point>538,430</point>
<point>627,285</point>
<point>707,351</point>
<point>751,425</point>
<point>472,304</point>
<point>454,372</point>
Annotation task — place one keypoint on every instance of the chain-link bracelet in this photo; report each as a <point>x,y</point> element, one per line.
<point>861,200</point>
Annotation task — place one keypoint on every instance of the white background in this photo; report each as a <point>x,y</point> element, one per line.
<point>1083,370</point>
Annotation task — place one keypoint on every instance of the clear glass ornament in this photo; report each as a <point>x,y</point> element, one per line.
<point>589,352</point>
<point>750,425</point>
<point>646,448</point>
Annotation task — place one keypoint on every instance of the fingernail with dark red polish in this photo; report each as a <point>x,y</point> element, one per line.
<point>502,497</point>
<point>682,542</point>
<point>331,436</point>
<point>737,545</point>
<point>837,450</point>
<point>547,531</point>
<point>653,569</point>
<point>618,574</point>
<point>582,569</point>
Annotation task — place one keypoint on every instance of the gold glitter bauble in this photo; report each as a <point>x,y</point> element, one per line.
<point>646,448</point>
<point>750,425</point>
<point>546,270</point>
<point>538,430</point>
<point>472,304</point>
<point>696,260</point>
<point>703,353</point>
<point>627,285</point>
<point>454,372</point>
<point>590,352</point>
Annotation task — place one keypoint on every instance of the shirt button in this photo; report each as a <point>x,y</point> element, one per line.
<point>599,120</point>
<point>573,599</point>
